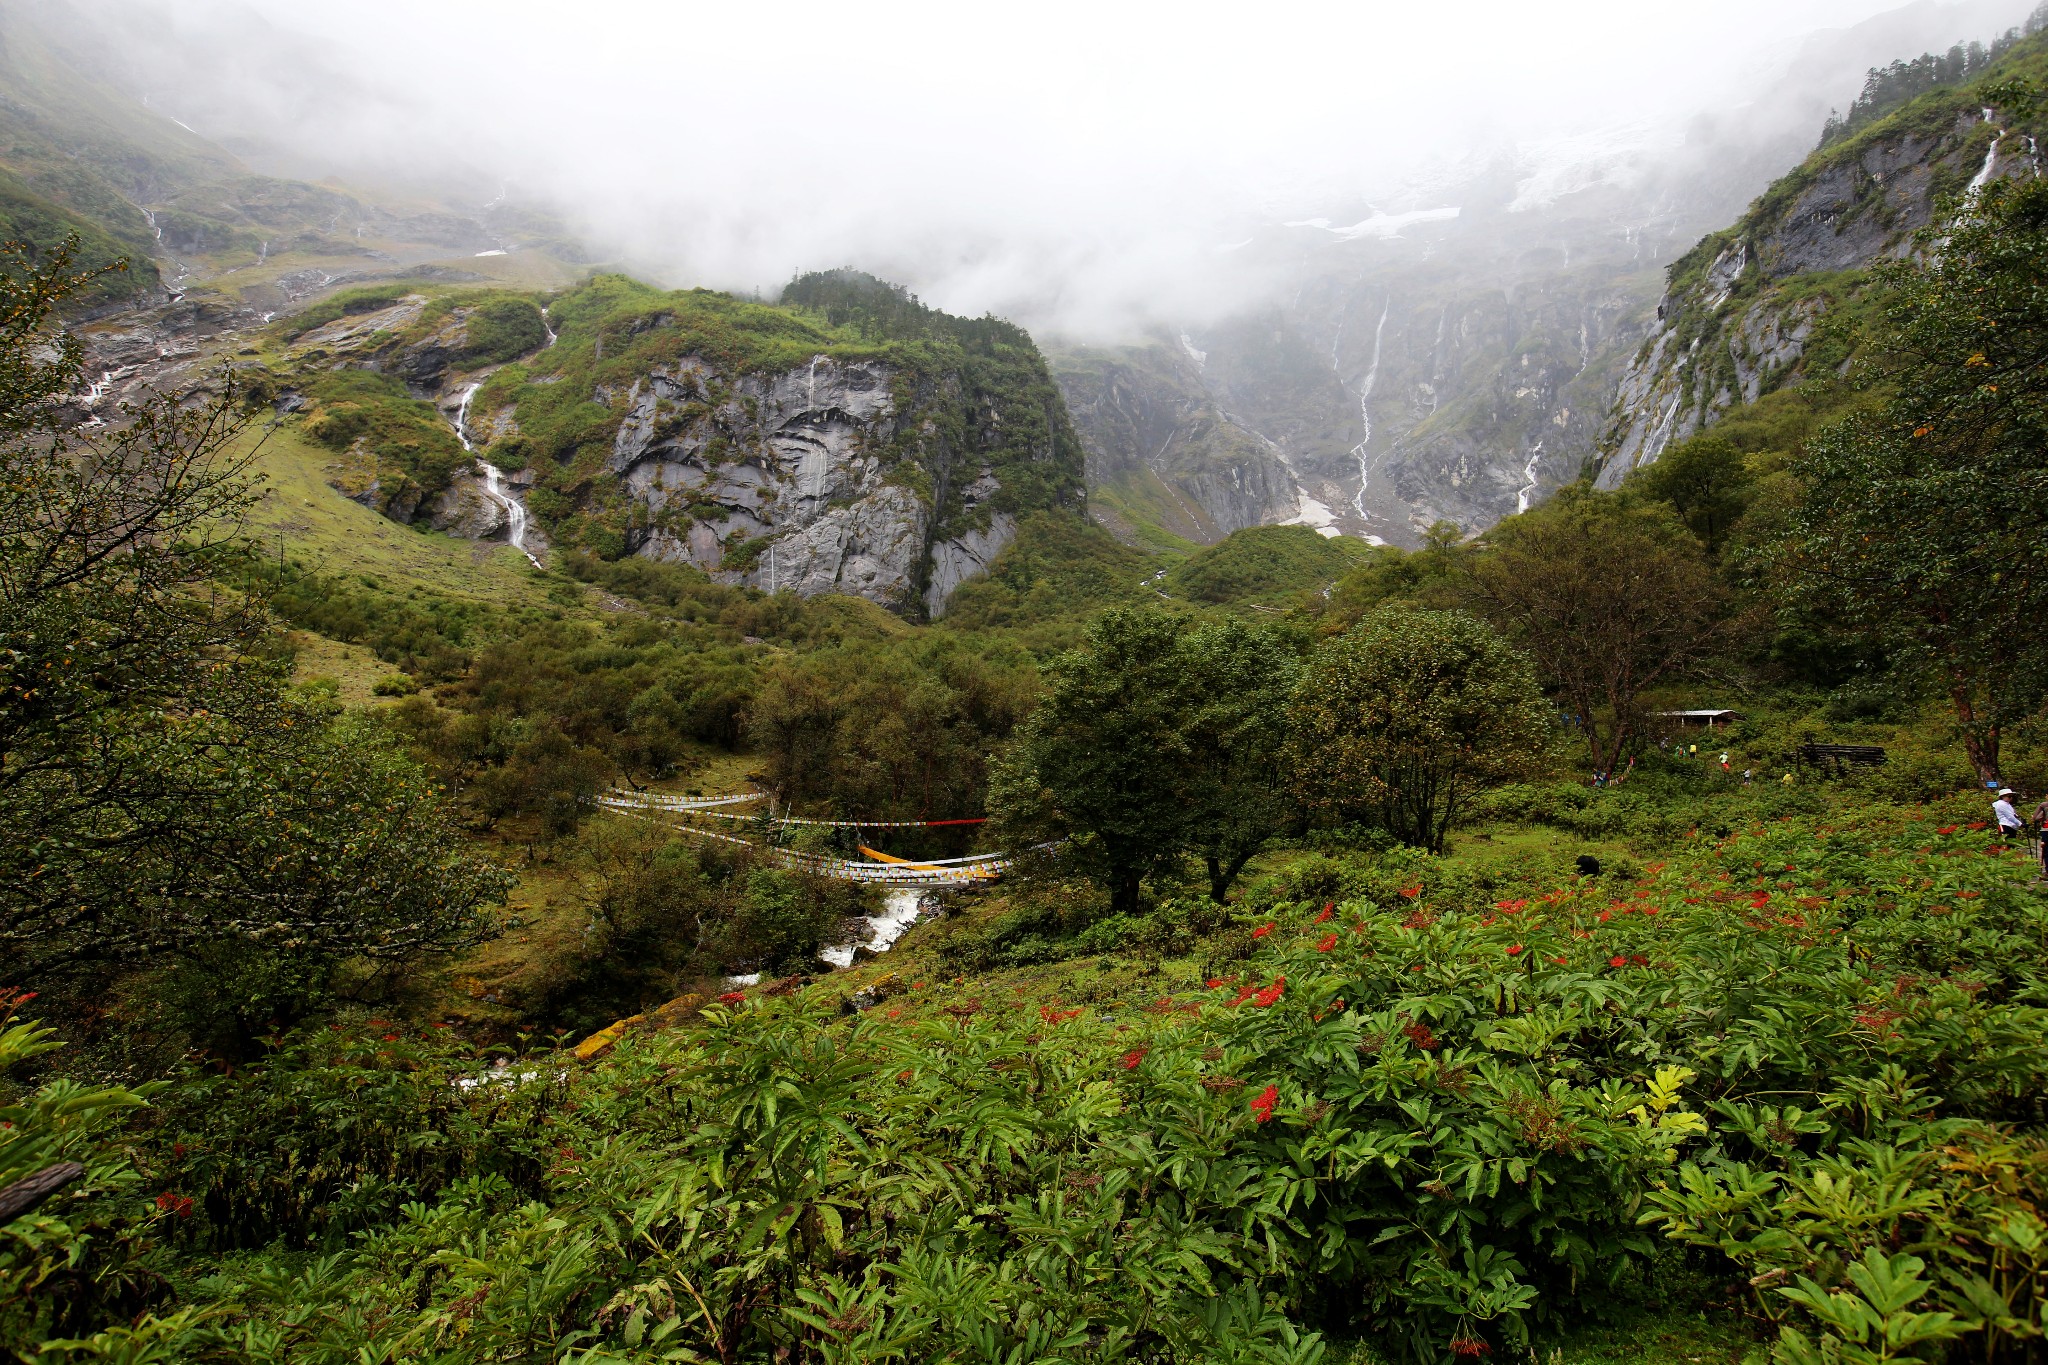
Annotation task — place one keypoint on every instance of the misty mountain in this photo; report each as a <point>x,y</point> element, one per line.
<point>1453,354</point>
<point>1772,301</point>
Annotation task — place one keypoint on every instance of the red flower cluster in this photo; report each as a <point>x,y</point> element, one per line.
<point>733,998</point>
<point>1262,1107</point>
<point>1469,1346</point>
<point>1133,1057</point>
<point>1946,829</point>
<point>1053,1016</point>
<point>1512,907</point>
<point>1420,1035</point>
<point>1411,892</point>
<point>1328,910</point>
<point>174,1203</point>
<point>1513,949</point>
<point>1263,930</point>
<point>1329,942</point>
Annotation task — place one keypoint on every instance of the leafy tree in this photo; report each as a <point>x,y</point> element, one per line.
<point>1926,523</point>
<point>1610,600</point>
<point>890,732</point>
<point>1152,740</point>
<point>165,797</point>
<point>1432,577</point>
<point>1240,731</point>
<point>1403,718</point>
<point>1706,482</point>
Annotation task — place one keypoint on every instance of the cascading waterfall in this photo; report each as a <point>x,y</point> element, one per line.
<point>494,478</point>
<point>1372,374</point>
<point>1528,488</point>
<point>900,911</point>
<point>1984,173</point>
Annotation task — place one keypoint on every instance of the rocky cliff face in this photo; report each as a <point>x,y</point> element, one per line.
<point>853,442</point>
<point>786,482</point>
<point>1765,304</point>
<point>1418,383</point>
<point>1161,450</point>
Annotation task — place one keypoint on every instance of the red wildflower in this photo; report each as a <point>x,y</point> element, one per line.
<point>1558,960</point>
<point>177,1149</point>
<point>1649,909</point>
<point>1262,1107</point>
<point>1328,911</point>
<point>1617,961</point>
<point>902,1076</point>
<point>1214,982</point>
<point>1511,906</point>
<point>1262,930</point>
<point>1980,824</point>
<point>733,998</point>
<point>1606,915</point>
<point>1411,892</point>
<point>174,1203</point>
<point>1329,942</point>
<point>1638,960</point>
<point>1271,993</point>
<point>1946,829</point>
<point>1469,1346</point>
<point>1514,948</point>
<point>1133,1057</point>
<point>1420,1035</point>
<point>1053,1016</point>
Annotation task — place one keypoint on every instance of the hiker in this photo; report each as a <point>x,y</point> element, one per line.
<point>1724,762</point>
<point>2041,836</point>
<point>2008,818</point>
<point>1692,750</point>
<point>1787,779</point>
<point>1748,775</point>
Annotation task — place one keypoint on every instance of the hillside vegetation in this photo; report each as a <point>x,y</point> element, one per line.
<point>1386,970</point>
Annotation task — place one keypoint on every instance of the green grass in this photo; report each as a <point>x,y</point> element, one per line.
<point>315,523</point>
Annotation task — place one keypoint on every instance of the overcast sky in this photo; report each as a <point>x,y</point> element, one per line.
<point>981,148</point>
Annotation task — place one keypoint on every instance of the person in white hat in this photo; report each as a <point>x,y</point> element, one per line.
<point>2007,817</point>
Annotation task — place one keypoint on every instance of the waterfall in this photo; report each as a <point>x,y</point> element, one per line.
<point>1372,374</point>
<point>1529,479</point>
<point>494,480</point>
<point>1984,173</point>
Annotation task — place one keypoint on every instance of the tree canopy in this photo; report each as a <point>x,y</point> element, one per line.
<point>1403,718</point>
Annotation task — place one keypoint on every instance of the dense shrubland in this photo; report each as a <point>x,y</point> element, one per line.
<point>1455,1117</point>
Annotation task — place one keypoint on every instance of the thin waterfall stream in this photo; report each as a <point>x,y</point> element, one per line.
<point>494,480</point>
<point>495,486</point>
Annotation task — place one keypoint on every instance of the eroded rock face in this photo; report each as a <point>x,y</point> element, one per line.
<point>1737,332</point>
<point>795,481</point>
<point>1144,415</point>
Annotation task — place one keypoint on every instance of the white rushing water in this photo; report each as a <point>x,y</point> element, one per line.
<point>1372,375</point>
<point>899,912</point>
<point>1990,166</point>
<point>1528,487</point>
<point>494,481</point>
